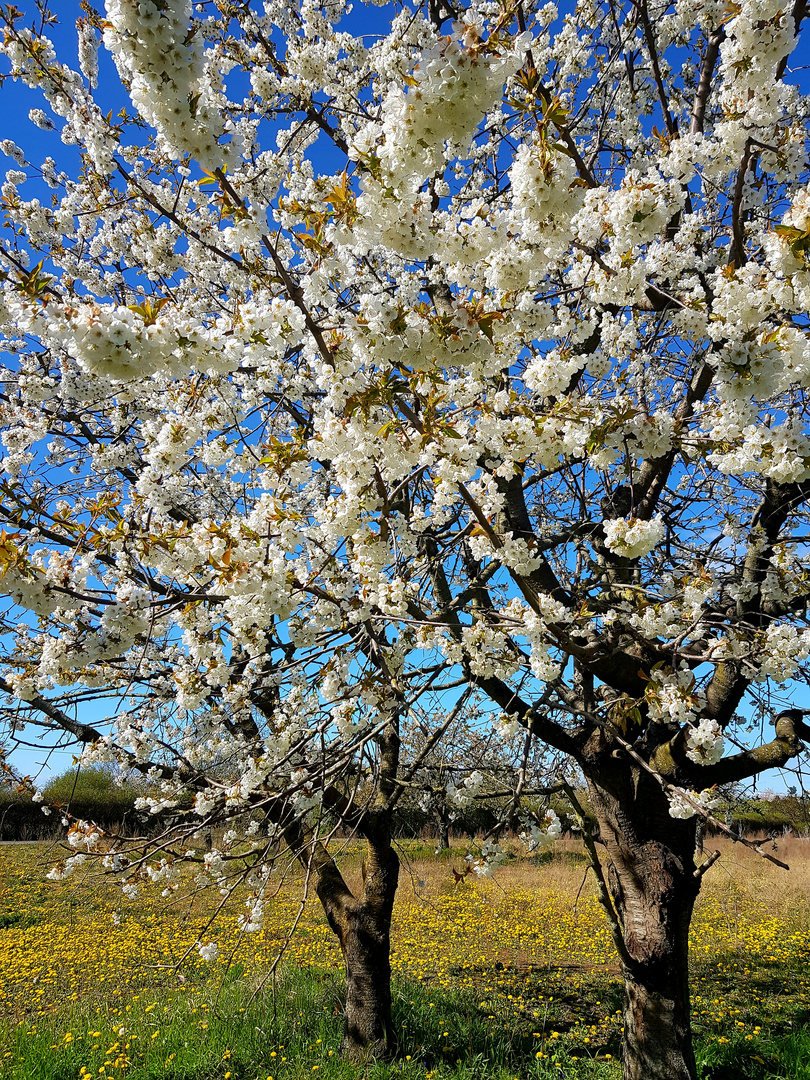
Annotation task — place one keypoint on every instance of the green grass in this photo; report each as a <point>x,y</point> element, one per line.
<point>503,1014</point>
<point>18,918</point>
<point>769,995</point>
<point>289,1033</point>
<point>293,1030</point>
<point>771,1057</point>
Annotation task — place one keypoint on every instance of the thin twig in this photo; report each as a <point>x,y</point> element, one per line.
<point>602,891</point>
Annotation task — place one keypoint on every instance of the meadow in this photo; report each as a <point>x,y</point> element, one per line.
<point>513,978</point>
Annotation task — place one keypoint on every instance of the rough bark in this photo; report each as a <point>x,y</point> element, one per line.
<point>653,885</point>
<point>363,928</point>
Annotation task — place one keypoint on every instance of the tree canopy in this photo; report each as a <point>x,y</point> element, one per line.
<point>421,368</point>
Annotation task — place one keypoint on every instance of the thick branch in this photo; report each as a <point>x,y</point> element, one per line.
<point>530,716</point>
<point>654,473</point>
<point>800,8</point>
<point>716,39</point>
<point>773,755</point>
<point>737,256</point>
<point>652,49</point>
<point>728,684</point>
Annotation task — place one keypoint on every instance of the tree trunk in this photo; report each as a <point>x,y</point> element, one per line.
<point>363,928</point>
<point>658,1037</point>
<point>444,834</point>
<point>442,819</point>
<point>365,943</point>
<point>700,836</point>
<point>653,885</point>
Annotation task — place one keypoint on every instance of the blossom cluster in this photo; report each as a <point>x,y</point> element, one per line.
<point>686,804</point>
<point>436,116</point>
<point>632,538</point>
<point>156,54</point>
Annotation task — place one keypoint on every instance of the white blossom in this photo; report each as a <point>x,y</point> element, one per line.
<point>685,804</point>
<point>631,537</point>
<point>208,952</point>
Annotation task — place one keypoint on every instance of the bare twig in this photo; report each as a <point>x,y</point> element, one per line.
<point>704,866</point>
<point>602,891</point>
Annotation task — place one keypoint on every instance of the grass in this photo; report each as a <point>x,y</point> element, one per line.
<point>289,1033</point>
<point>83,997</point>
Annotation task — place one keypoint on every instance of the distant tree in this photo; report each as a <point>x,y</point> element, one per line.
<point>97,794</point>
<point>480,782</point>
<point>359,373</point>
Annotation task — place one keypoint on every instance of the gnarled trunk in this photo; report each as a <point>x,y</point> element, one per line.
<point>363,928</point>
<point>651,876</point>
<point>656,1012</point>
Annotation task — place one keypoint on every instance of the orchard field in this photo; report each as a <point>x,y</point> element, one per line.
<point>513,977</point>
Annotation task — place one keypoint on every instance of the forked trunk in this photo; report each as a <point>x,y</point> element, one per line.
<point>653,885</point>
<point>363,928</point>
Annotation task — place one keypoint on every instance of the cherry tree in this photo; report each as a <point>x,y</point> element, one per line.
<point>382,364</point>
